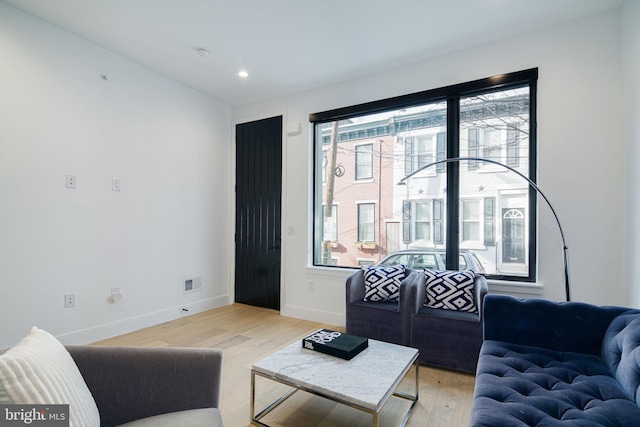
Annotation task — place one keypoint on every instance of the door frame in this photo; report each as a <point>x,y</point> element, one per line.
<point>232,203</point>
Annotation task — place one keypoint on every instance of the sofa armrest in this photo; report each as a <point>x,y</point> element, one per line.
<point>130,383</point>
<point>562,326</point>
<point>480,290</point>
<point>355,287</point>
<point>404,303</point>
<point>418,291</point>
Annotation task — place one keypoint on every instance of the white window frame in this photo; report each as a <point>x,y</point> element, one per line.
<point>358,164</point>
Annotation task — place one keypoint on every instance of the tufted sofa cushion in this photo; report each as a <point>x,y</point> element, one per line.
<point>621,352</point>
<point>519,385</point>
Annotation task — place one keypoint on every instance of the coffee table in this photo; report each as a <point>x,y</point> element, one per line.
<point>365,382</point>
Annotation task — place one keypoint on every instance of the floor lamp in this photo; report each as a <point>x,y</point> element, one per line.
<point>565,249</point>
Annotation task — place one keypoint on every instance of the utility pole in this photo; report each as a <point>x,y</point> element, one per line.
<point>331,178</point>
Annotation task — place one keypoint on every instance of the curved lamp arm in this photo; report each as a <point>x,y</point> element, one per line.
<point>565,249</point>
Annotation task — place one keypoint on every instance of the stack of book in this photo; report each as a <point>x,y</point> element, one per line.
<point>335,343</point>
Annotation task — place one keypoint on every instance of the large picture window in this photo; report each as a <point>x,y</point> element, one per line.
<point>403,155</point>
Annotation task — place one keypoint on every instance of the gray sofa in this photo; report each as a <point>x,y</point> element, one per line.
<point>148,386</point>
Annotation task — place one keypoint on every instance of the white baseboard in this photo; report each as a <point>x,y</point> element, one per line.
<point>120,327</point>
<point>331,318</point>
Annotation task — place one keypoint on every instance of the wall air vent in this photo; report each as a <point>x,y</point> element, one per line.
<point>192,284</point>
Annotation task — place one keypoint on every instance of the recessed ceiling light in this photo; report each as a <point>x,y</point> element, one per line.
<point>243,74</point>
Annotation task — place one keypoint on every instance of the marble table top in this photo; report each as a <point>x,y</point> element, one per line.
<point>366,381</point>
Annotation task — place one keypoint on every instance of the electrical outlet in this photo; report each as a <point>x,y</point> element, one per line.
<point>312,286</point>
<point>70,181</point>
<point>69,300</point>
<point>115,296</point>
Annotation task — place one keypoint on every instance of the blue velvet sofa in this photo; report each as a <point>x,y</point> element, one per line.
<point>544,363</point>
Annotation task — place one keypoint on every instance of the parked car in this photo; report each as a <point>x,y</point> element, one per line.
<point>435,259</point>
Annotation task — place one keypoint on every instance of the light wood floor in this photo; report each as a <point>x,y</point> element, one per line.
<point>247,334</point>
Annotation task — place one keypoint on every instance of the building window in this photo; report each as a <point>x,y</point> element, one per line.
<point>414,142</point>
<point>513,149</point>
<point>419,151</point>
<point>422,222</point>
<point>473,148</point>
<point>406,221</point>
<point>489,221</point>
<point>470,220</point>
<point>441,150</point>
<point>438,221</point>
<point>366,222</point>
<point>364,161</point>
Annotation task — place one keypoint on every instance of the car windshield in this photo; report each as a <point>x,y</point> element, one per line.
<point>463,262</point>
<point>420,261</point>
<point>413,261</point>
<point>434,260</point>
<point>396,259</point>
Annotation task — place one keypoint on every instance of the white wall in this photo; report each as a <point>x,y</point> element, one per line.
<point>579,156</point>
<point>169,146</point>
<point>631,144</point>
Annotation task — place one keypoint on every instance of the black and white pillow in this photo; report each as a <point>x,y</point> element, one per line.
<point>450,290</point>
<point>383,283</point>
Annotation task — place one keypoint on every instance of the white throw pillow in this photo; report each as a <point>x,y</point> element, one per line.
<point>39,370</point>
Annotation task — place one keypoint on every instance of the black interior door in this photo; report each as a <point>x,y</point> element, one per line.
<point>258,212</point>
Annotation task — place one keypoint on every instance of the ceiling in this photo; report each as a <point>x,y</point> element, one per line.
<point>290,46</point>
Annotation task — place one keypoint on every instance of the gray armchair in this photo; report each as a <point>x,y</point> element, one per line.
<point>446,338</point>
<point>383,321</point>
<point>152,386</point>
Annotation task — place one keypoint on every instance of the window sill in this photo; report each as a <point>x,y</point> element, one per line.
<point>331,271</point>
<point>495,286</point>
<point>515,288</point>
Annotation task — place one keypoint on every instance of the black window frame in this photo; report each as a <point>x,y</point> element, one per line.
<point>452,95</point>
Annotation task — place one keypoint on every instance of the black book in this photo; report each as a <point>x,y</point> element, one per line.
<point>335,343</point>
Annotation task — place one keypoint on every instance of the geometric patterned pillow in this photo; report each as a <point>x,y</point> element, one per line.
<point>450,290</point>
<point>383,283</point>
